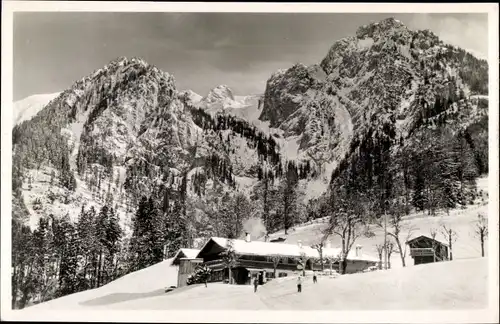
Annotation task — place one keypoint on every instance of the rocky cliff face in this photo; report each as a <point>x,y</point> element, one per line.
<point>385,74</point>
<point>126,130</point>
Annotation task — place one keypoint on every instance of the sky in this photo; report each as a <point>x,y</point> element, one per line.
<point>52,50</point>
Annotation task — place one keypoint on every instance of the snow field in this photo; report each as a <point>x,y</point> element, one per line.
<point>441,286</point>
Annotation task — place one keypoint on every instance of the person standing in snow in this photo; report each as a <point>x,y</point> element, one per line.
<point>299,284</point>
<point>255,284</point>
<point>315,279</point>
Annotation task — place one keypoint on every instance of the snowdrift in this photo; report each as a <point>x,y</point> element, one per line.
<point>150,281</point>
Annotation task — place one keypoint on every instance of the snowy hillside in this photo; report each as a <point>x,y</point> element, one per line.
<point>144,289</point>
<point>424,287</point>
<point>462,221</point>
<point>27,108</point>
<point>147,282</point>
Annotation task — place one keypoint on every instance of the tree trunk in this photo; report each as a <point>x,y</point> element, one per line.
<point>85,272</point>
<point>96,271</point>
<point>482,244</point>
<point>401,254</point>
<point>451,249</point>
<point>230,281</point>
<point>14,286</point>
<point>342,265</point>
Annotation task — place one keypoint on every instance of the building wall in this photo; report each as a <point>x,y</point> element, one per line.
<point>242,276</point>
<point>186,268</point>
<point>354,266</point>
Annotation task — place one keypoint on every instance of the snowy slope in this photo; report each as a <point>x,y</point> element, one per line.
<point>150,281</point>
<point>27,108</point>
<point>429,286</point>
<point>460,220</point>
<point>398,288</point>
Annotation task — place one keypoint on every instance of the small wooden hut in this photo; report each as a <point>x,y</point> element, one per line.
<point>424,249</point>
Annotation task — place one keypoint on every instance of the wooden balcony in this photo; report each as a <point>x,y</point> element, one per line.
<point>218,264</point>
<point>421,252</point>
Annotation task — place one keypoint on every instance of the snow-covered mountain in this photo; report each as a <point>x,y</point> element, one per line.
<point>126,130</point>
<point>190,96</point>
<point>28,107</point>
<point>222,100</point>
<point>385,77</point>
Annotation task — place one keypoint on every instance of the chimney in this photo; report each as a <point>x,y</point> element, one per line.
<point>299,243</point>
<point>358,250</point>
<point>247,237</point>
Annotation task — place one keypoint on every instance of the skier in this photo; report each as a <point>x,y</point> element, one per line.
<point>299,283</point>
<point>315,279</point>
<point>255,284</point>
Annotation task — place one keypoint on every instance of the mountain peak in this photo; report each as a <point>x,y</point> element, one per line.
<point>221,92</point>
<point>381,27</point>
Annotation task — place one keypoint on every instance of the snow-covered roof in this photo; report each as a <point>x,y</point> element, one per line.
<point>185,253</point>
<point>423,237</point>
<point>190,253</point>
<point>290,250</point>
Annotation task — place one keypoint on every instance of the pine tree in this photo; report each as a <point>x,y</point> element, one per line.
<point>23,286</point>
<point>466,169</point>
<point>148,235</point>
<point>289,188</point>
<point>240,210</point>
<point>87,242</point>
<point>42,242</point>
<point>69,262</point>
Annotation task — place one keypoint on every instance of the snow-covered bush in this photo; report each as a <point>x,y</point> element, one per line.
<point>200,275</point>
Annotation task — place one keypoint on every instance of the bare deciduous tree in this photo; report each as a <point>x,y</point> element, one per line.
<point>229,258</point>
<point>433,233</point>
<point>321,245</point>
<point>396,230</point>
<point>275,259</point>
<point>380,252</point>
<point>451,236</point>
<point>349,227</point>
<point>390,249</point>
<point>481,230</point>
